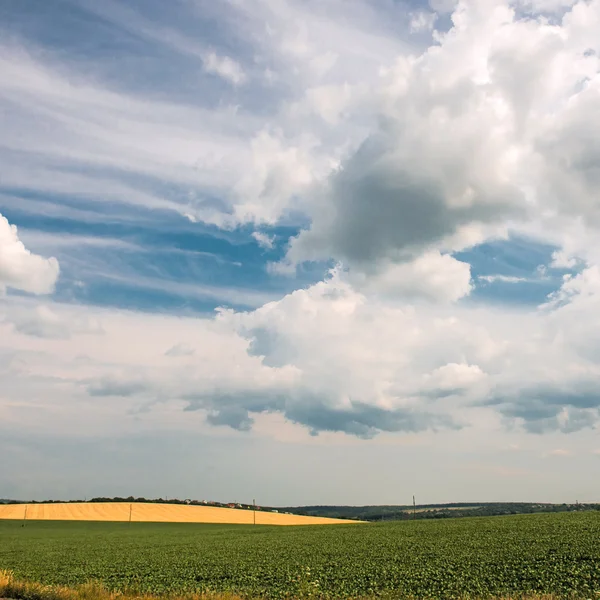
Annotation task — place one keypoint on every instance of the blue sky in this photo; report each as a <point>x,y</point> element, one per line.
<point>286,227</point>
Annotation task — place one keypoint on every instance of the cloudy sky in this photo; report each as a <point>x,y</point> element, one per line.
<point>304,251</point>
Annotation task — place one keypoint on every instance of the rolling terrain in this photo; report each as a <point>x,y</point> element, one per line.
<point>156,513</point>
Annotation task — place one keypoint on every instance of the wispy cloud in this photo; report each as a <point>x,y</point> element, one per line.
<point>501,279</point>
<point>560,452</point>
<point>422,21</point>
<point>224,67</point>
<point>263,240</point>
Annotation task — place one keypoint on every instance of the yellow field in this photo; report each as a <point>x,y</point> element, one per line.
<point>157,513</point>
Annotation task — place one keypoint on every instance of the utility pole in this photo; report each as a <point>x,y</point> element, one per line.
<point>25,516</point>
<point>254,510</point>
<point>130,511</point>
<point>414,509</point>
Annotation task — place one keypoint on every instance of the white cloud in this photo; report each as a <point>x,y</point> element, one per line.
<point>43,322</point>
<point>488,129</point>
<point>560,260</point>
<point>501,278</point>
<point>19,268</point>
<point>328,358</point>
<point>180,350</point>
<point>431,276</point>
<point>264,240</point>
<point>279,170</point>
<point>224,67</point>
<point>422,21</point>
<point>455,377</point>
<point>546,6</point>
<point>560,452</point>
<point>330,101</point>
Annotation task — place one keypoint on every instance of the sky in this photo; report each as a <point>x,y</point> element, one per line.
<point>308,252</point>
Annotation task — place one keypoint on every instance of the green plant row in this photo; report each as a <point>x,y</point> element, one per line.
<point>555,554</point>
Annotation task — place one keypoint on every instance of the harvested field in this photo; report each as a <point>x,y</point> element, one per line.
<point>154,513</point>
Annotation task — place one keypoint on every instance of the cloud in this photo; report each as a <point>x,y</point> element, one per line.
<point>331,101</point>
<point>560,260</point>
<point>180,350</point>
<point>224,67</point>
<point>487,128</point>
<point>431,276</point>
<point>263,240</point>
<point>501,278</point>
<point>280,169</point>
<point>567,406</point>
<point>546,6</point>
<point>19,268</point>
<point>332,359</point>
<point>184,142</point>
<point>107,386</point>
<point>422,21</point>
<point>443,6</point>
<point>560,452</point>
<point>454,378</point>
<point>43,322</point>
<point>394,158</point>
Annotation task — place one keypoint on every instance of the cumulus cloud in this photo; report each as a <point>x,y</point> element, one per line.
<point>422,21</point>
<point>19,268</point>
<point>492,126</point>
<point>43,322</point>
<point>535,369</point>
<point>281,168</point>
<point>454,378</point>
<point>546,6</point>
<point>565,406</point>
<point>180,350</point>
<point>431,276</point>
<point>333,359</point>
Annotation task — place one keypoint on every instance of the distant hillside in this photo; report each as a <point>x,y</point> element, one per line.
<point>435,511</point>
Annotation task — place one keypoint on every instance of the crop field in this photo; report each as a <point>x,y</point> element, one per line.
<point>156,513</point>
<point>482,557</point>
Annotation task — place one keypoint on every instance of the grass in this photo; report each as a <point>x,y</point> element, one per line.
<point>534,556</point>
<point>24,590</point>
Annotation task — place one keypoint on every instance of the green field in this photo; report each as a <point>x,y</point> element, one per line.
<point>556,553</point>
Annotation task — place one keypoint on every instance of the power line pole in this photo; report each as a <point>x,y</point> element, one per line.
<point>254,510</point>
<point>130,511</point>
<point>25,515</point>
<point>414,509</point>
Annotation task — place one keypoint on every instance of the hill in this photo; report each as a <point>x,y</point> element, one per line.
<point>436,511</point>
<point>157,513</point>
